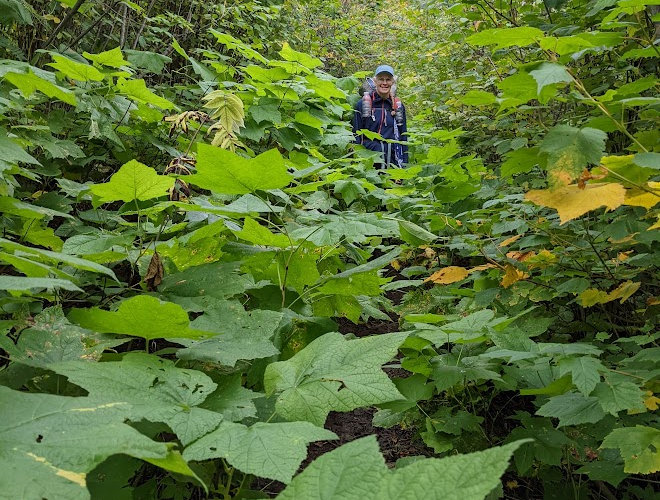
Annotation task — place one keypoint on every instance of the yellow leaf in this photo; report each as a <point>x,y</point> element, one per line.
<point>508,241</point>
<point>624,255</point>
<point>655,226</point>
<point>572,202</point>
<point>395,264</point>
<point>482,267</point>
<point>512,275</point>
<point>624,291</point>
<point>591,297</point>
<point>650,401</point>
<point>640,198</point>
<point>447,275</point>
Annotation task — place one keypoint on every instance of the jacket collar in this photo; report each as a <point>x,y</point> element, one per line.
<point>378,98</point>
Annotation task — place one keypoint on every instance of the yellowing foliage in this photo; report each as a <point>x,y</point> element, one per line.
<point>641,198</point>
<point>512,275</point>
<point>572,202</point>
<point>448,275</point>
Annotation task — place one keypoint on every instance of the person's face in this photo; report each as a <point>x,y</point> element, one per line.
<point>384,83</point>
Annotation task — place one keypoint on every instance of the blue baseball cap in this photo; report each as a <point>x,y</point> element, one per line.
<point>384,68</point>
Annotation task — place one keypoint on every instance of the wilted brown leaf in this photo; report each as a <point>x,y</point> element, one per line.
<point>155,272</point>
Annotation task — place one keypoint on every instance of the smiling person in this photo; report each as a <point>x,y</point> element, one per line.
<point>382,112</point>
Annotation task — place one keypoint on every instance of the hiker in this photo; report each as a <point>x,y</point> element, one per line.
<point>382,112</point>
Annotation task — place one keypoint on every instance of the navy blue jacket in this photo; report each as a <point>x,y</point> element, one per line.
<point>383,123</point>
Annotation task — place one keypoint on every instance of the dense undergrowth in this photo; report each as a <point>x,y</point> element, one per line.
<point>186,226</point>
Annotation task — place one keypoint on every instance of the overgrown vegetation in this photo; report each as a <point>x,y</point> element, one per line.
<point>186,226</point>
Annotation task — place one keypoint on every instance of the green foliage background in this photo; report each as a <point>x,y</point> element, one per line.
<point>185,226</point>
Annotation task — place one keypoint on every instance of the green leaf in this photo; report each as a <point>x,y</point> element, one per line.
<point>478,98</point>
<point>306,118</point>
<point>272,450</point>
<point>333,374</point>
<point>112,58</point>
<point>225,172</point>
<point>155,389</point>
<point>584,370</point>
<point>29,83</point>
<point>141,316</point>
<point>21,284</point>
<point>49,443</point>
<point>415,235</point>
<point>618,396</point>
<point>137,90</point>
<point>639,447</point>
<point>265,113</point>
<point>549,73</point>
<point>506,37</point>
<point>231,400</point>
<point>521,161</point>
<point>198,287</point>
<point>324,88</point>
<point>76,70</point>
<point>133,181</point>
<point>570,150</point>
<point>572,409</point>
<point>52,339</point>
<point>288,54</point>
<point>260,235</point>
<point>56,257</point>
<point>357,471</point>
<point>242,334</point>
<point>650,160</point>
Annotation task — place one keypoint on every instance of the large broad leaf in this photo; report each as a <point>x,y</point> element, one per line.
<point>350,226</point>
<point>241,334</point>
<point>28,83</point>
<point>112,58</point>
<point>272,450</point>
<point>142,316</point>
<point>572,409</point>
<point>288,54</point>
<point>233,401</point>
<point>333,373</point>
<point>75,70</point>
<point>225,172</point>
<point>52,339</point>
<point>200,287</point>
<point>584,370</point>
<point>614,397</point>
<point>549,73</point>
<point>138,91</point>
<point>133,181</point>
<point>55,258</point>
<point>639,447</point>
<point>357,471</point>
<point>572,202</point>
<point>570,150</point>
<point>156,390</point>
<point>49,443</point>
<point>22,284</point>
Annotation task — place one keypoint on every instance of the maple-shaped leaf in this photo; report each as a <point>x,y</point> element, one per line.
<point>228,173</point>
<point>133,181</point>
<point>272,450</point>
<point>572,202</point>
<point>333,374</point>
<point>570,150</point>
<point>639,447</point>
